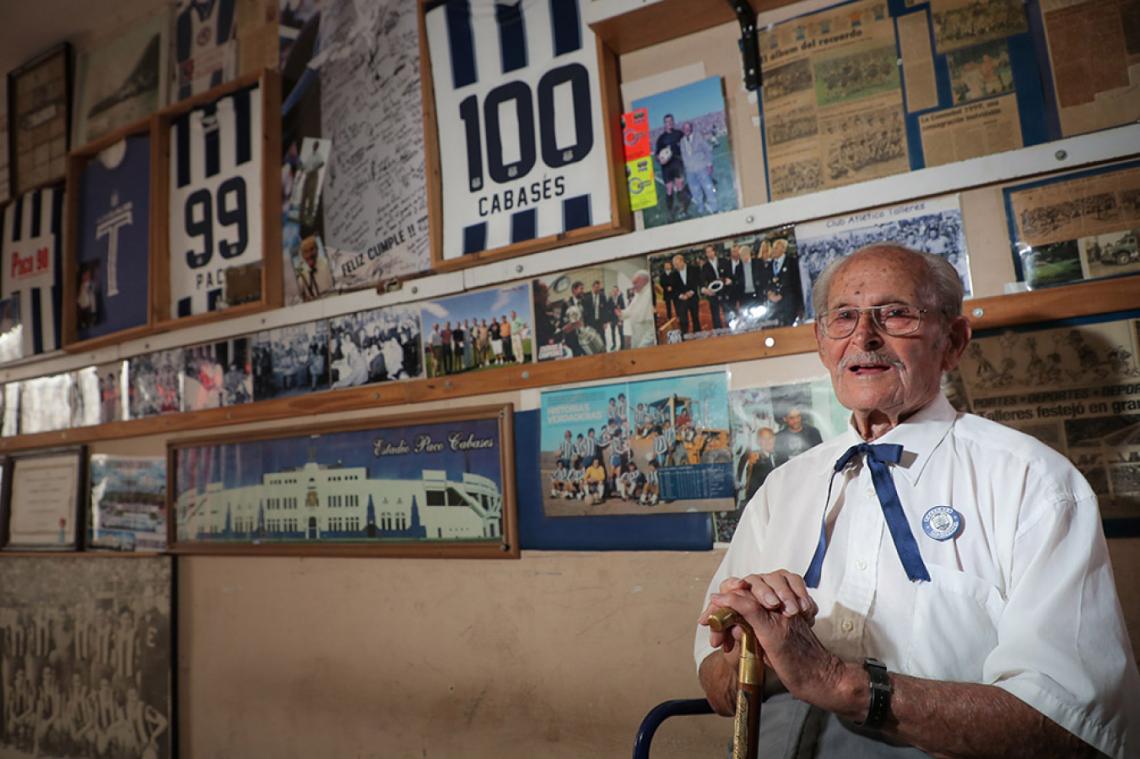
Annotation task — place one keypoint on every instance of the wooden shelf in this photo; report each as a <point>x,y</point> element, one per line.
<point>1085,299</point>
<point>628,25</point>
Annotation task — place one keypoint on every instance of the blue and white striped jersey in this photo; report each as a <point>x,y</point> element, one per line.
<point>32,236</point>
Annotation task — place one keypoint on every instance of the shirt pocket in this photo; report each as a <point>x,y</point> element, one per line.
<point>954,628</point>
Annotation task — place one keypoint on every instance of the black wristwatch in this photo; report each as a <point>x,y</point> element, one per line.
<point>880,694</point>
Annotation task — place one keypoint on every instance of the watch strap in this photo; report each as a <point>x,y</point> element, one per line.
<point>880,694</point>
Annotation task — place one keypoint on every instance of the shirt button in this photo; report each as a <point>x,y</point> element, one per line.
<point>870,492</point>
<point>847,625</point>
<point>861,564</point>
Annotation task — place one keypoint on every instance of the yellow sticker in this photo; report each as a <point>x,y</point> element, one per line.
<point>642,187</point>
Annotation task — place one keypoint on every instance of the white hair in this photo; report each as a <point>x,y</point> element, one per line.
<point>941,285</point>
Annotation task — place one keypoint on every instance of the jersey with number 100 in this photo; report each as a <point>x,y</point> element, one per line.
<point>522,145</point>
<point>215,199</point>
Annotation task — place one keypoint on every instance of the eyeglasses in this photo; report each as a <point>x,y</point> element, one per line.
<point>894,319</point>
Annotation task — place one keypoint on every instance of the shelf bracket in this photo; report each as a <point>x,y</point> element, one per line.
<point>749,44</point>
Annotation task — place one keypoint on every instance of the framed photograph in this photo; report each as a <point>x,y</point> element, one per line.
<point>521,113</point>
<point>127,506</point>
<point>32,249</point>
<point>39,113</point>
<point>123,80</point>
<point>205,46</point>
<point>155,383</point>
<point>217,374</point>
<point>477,330</point>
<point>96,636</point>
<point>42,492</point>
<point>216,188</point>
<point>291,360</point>
<point>438,484</point>
<point>375,346</point>
<point>45,403</point>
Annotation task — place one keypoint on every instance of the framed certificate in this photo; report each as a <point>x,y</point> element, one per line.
<point>41,497</point>
<point>39,111</point>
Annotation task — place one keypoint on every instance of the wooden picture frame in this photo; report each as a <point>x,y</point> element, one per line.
<point>77,162</point>
<point>39,119</point>
<point>266,144</point>
<point>351,489</point>
<point>608,141</point>
<point>32,493</point>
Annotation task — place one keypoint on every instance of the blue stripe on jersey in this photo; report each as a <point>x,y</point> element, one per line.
<point>461,42</point>
<point>17,233</point>
<point>243,124</point>
<point>226,16</point>
<point>211,136</point>
<point>183,307</point>
<point>524,225</point>
<point>565,26</point>
<point>512,36</point>
<point>37,211</point>
<point>475,238</point>
<point>182,149</point>
<point>576,212</point>
<point>37,322</point>
<point>212,298</point>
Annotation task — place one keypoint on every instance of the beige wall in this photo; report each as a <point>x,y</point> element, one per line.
<point>558,655</point>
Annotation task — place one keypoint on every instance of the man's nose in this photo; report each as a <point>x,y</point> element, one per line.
<point>867,334</point>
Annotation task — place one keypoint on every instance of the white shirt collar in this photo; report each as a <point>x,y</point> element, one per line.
<point>919,435</point>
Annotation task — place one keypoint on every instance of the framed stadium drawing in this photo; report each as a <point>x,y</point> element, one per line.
<point>437,484</point>
<point>521,123</point>
<point>218,234</point>
<point>109,202</point>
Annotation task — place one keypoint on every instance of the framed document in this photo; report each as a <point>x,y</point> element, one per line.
<point>430,485</point>
<point>41,497</point>
<point>39,112</point>
<point>521,125</point>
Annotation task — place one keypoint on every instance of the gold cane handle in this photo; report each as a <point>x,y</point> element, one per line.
<point>750,684</point>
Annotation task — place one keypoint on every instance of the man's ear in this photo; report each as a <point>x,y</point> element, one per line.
<point>957,338</point>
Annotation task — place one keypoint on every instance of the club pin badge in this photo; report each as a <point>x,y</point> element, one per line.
<point>942,522</point>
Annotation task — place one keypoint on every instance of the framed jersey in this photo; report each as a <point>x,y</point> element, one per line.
<point>109,255</point>
<point>215,181</point>
<point>32,236</point>
<point>521,121</point>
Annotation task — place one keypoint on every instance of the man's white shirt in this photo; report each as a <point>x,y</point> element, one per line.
<point>1023,598</point>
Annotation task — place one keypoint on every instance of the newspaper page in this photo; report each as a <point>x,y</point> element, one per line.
<point>1070,228</point>
<point>969,131</point>
<point>921,85</point>
<point>1076,389</point>
<point>964,23</point>
<point>1094,51</point>
<point>832,99</point>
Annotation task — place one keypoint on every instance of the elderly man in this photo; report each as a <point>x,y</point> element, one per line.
<point>946,589</point>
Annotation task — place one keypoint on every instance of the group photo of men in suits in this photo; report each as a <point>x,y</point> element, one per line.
<point>728,286</point>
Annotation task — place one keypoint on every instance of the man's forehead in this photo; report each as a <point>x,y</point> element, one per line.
<point>877,277</point>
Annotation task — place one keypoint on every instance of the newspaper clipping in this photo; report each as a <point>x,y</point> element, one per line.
<point>1075,227</point>
<point>1076,389</point>
<point>832,97</point>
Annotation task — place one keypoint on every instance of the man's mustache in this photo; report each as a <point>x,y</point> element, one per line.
<point>868,359</point>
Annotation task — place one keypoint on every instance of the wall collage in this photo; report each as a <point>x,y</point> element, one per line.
<point>219,164</point>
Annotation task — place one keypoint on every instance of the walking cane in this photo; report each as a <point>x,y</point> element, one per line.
<point>750,684</point>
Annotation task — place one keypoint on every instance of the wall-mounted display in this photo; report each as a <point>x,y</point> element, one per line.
<point>353,195</point>
<point>114,392</point>
<point>123,80</point>
<point>693,167</point>
<point>375,346</point>
<point>519,115</point>
<point>39,118</point>
<point>90,656</point>
<point>1075,226</point>
<point>41,497</point>
<point>127,507</point>
<point>477,330</point>
<point>155,385</point>
<point>11,330</point>
<point>109,255</point>
<point>45,403</point>
<point>597,309</point>
<point>431,485</point>
<point>205,46</point>
<point>11,421</point>
<point>291,360</point>
<point>215,204</point>
<point>86,397</point>
<point>1075,389</point>
<point>646,447</point>
<point>727,286</point>
<point>217,374</point>
<point>1094,52</point>
<point>769,426</point>
<point>933,225</point>
<point>31,245</point>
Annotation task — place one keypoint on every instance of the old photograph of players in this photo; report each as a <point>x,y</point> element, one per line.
<point>769,426</point>
<point>86,667</point>
<point>832,99</point>
<point>646,447</point>
<point>933,225</point>
<point>1076,389</point>
<point>477,330</point>
<point>598,309</point>
<point>691,151</point>
<point>1076,226</point>
<point>375,346</point>
<point>155,383</point>
<point>291,360</point>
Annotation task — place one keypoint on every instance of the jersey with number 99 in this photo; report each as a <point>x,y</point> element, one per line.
<point>215,199</point>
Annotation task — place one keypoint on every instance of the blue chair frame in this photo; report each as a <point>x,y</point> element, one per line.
<point>679,707</point>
